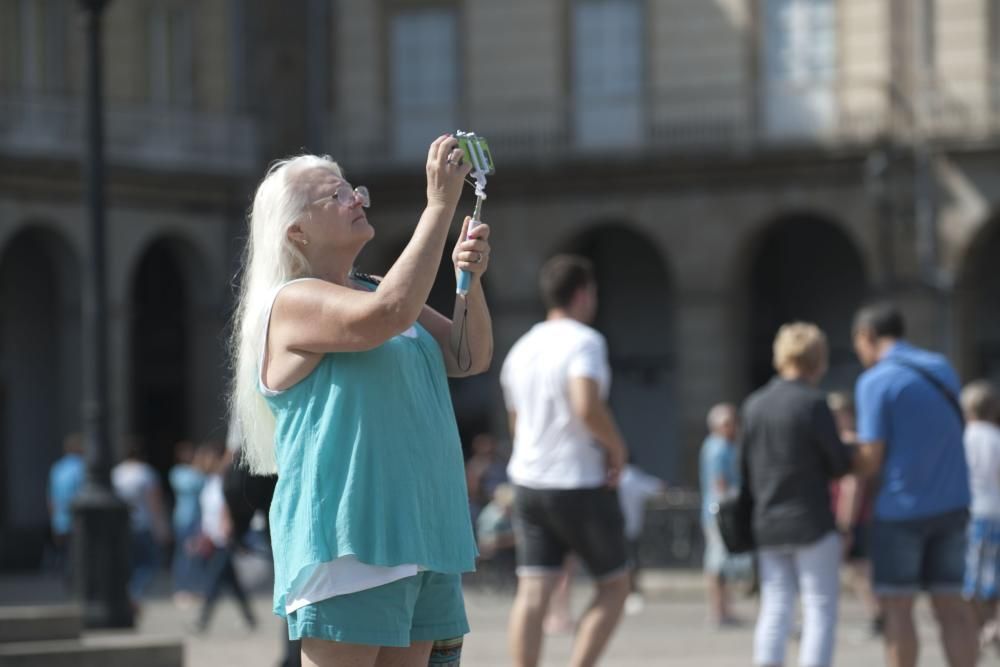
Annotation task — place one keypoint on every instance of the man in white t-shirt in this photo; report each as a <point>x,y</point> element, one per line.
<point>568,455</point>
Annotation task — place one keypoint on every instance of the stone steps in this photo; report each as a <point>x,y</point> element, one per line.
<point>39,623</point>
<point>52,636</point>
<point>94,651</point>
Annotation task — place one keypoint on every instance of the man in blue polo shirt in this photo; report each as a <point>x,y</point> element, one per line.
<point>910,434</point>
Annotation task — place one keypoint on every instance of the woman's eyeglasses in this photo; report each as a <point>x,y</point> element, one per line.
<point>345,196</point>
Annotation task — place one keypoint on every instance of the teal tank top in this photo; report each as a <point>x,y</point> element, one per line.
<point>370,464</point>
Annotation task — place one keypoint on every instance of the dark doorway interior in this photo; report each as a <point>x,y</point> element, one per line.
<point>160,364</point>
<point>39,384</point>
<point>980,301</point>
<point>805,269</point>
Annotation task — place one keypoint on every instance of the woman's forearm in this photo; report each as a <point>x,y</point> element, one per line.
<point>473,347</point>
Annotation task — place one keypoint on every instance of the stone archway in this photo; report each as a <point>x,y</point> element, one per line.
<point>636,315</point>
<point>806,268</point>
<point>177,374</point>
<point>40,381</point>
<point>978,302</point>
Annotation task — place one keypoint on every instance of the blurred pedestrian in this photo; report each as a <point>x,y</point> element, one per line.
<point>495,527</point>
<point>484,472</point>
<point>635,488</point>
<point>66,478</point>
<point>981,406</point>
<point>341,388</point>
<point>853,503</point>
<point>137,483</point>
<point>910,429</point>
<point>186,481</point>
<point>790,452</point>
<point>720,479</point>
<point>220,545</point>
<point>567,459</point>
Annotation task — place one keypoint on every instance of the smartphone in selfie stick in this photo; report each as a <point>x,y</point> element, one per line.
<point>478,153</point>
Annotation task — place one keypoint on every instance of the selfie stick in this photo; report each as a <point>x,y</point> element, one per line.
<point>480,167</point>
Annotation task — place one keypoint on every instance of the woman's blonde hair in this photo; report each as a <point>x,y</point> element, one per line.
<point>802,346</point>
<point>270,260</point>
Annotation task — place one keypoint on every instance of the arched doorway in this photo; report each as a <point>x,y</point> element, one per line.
<point>979,303</point>
<point>805,268</point>
<point>176,375</point>
<point>636,315</point>
<point>40,382</point>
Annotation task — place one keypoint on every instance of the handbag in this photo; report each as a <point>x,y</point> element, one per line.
<point>734,517</point>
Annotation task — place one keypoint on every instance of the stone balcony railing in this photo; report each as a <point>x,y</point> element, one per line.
<point>705,119</point>
<point>53,126</point>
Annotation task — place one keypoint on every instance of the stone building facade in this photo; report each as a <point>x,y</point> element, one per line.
<point>728,164</point>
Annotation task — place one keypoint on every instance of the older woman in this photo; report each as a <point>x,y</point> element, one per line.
<point>791,451</point>
<point>341,388</point>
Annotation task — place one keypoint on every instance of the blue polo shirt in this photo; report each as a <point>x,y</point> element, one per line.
<point>718,459</point>
<point>924,471</point>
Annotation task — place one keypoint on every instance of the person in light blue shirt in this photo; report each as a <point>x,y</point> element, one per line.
<point>66,478</point>
<point>186,481</point>
<point>719,479</point>
<point>910,433</point>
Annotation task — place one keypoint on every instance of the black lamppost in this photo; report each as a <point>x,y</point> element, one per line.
<point>101,564</point>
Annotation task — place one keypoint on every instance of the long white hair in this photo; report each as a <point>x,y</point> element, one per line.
<point>270,260</point>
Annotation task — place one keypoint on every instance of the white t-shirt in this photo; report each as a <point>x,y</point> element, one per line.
<point>634,488</point>
<point>213,509</point>
<point>982,451</point>
<point>552,447</point>
<point>133,480</point>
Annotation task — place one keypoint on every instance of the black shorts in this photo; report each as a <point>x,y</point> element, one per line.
<point>549,523</point>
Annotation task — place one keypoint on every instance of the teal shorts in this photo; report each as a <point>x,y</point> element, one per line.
<point>425,607</point>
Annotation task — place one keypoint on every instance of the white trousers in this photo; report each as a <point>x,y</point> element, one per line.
<point>813,571</point>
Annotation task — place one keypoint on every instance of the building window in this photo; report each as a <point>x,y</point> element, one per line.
<point>424,78</point>
<point>799,68</point>
<point>607,73</point>
<point>39,47</point>
<point>994,23</point>
<point>927,35</point>
<point>171,64</point>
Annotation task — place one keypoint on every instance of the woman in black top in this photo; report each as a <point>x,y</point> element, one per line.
<point>791,451</point>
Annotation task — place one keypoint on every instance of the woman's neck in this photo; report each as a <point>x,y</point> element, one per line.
<point>334,268</point>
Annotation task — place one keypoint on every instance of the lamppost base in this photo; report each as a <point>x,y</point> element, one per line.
<point>101,558</point>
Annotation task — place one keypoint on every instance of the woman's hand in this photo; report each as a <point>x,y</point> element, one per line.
<point>446,171</point>
<point>472,254</point>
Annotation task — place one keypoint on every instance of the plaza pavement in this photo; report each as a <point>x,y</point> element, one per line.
<point>669,631</point>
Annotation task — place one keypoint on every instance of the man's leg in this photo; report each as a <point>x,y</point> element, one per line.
<point>530,604</point>
<point>959,632</point>
<point>899,565</point>
<point>215,571</point>
<point>558,616</point>
<point>717,598</point>
<point>945,572</point>
<point>232,577</point>
<point>714,564</point>
<point>600,619</point>
<point>901,646</point>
